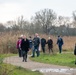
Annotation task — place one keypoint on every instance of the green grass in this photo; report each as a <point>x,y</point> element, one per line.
<point>7,69</point>
<point>2,56</point>
<point>65,59</point>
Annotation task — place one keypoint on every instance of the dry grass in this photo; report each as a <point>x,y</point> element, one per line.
<point>8,41</point>
<point>69,42</point>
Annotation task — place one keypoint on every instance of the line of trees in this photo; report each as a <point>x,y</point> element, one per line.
<point>44,21</point>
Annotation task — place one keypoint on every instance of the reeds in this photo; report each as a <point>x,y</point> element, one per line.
<point>8,41</point>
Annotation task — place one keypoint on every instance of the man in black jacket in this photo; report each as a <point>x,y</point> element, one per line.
<point>25,48</point>
<point>43,43</point>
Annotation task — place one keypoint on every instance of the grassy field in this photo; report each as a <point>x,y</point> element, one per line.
<point>7,69</point>
<point>65,59</point>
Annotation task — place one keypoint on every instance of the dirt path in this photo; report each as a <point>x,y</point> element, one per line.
<point>46,69</point>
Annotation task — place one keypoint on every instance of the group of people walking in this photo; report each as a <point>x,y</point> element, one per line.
<point>25,44</point>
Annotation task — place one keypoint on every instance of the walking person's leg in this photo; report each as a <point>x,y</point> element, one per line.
<point>19,51</point>
<point>23,52</point>
<point>49,48</point>
<point>38,53</point>
<point>60,49</point>
<point>43,49</point>
<point>33,55</point>
<point>25,57</point>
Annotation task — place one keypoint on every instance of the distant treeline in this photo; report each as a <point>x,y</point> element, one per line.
<point>53,30</point>
<point>44,21</point>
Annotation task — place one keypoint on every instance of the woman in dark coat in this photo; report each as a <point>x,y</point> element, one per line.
<point>50,44</point>
<point>25,48</point>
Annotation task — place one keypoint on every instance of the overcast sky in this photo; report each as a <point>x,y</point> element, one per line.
<point>11,9</point>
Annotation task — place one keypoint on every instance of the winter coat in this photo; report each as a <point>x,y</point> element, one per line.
<point>25,45</point>
<point>36,41</point>
<point>50,43</point>
<point>60,41</point>
<point>43,42</point>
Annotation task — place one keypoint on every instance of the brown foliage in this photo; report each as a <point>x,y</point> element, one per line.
<point>8,41</point>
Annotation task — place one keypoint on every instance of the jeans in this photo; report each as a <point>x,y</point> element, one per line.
<point>24,55</point>
<point>36,49</point>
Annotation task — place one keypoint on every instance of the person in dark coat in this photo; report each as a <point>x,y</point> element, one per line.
<point>50,44</point>
<point>43,43</point>
<point>60,43</point>
<point>25,48</point>
<point>36,42</point>
<point>75,52</point>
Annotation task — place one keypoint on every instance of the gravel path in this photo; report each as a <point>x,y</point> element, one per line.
<point>46,69</point>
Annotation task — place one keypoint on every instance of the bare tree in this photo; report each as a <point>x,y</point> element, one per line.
<point>20,22</point>
<point>23,24</point>
<point>44,18</point>
<point>74,18</point>
<point>2,27</point>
